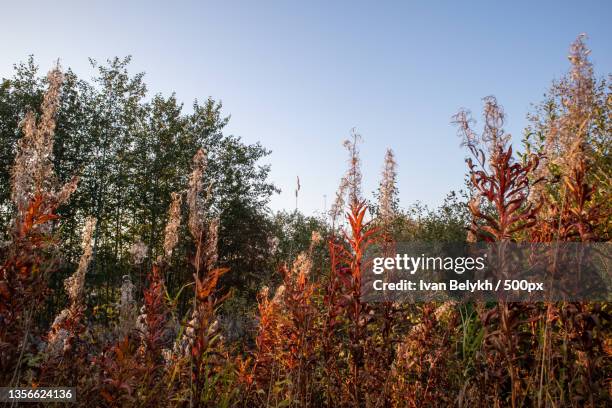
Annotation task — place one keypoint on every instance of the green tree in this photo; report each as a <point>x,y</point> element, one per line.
<point>132,151</point>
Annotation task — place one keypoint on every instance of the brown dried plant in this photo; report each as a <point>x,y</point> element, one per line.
<point>573,215</point>
<point>204,347</point>
<point>419,375</point>
<point>573,124</point>
<point>388,189</point>
<point>504,184</point>
<point>132,367</point>
<point>575,207</point>
<point>65,357</point>
<point>362,236</point>
<point>350,183</point>
<point>360,377</point>
<point>381,348</point>
<point>36,196</point>
<point>287,336</point>
<point>501,181</point>
<point>195,201</point>
<point>32,172</point>
<point>138,252</point>
<point>567,134</point>
<point>67,325</point>
<point>172,225</point>
<point>128,312</point>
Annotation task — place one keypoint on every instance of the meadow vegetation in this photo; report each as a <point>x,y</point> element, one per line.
<point>141,265</point>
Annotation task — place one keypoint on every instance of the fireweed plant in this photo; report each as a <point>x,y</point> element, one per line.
<point>311,340</point>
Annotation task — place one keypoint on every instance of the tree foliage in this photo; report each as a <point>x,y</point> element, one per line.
<point>132,150</point>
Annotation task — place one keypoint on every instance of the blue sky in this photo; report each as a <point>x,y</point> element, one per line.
<point>298,75</point>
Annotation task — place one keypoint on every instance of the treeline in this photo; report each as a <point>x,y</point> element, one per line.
<point>131,150</point>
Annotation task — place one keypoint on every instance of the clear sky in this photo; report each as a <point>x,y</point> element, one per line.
<point>298,75</point>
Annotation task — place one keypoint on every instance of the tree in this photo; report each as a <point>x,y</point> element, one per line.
<point>131,153</point>
<point>574,119</point>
